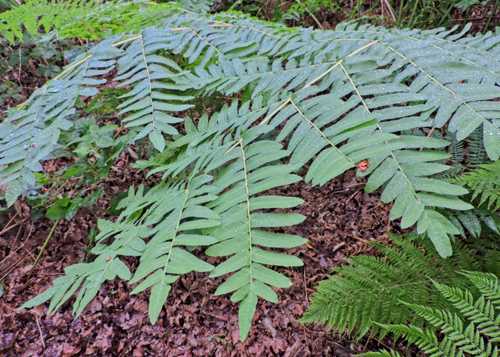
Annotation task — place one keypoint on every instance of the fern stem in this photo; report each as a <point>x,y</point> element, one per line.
<point>249,217</point>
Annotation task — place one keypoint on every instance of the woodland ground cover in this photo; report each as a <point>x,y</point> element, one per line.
<point>246,135</point>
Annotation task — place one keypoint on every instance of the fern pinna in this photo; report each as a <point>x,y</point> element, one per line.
<point>288,102</point>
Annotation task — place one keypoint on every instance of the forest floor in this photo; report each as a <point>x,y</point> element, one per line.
<point>341,220</point>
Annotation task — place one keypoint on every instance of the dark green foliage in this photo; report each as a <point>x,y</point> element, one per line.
<point>400,13</point>
<point>368,291</point>
<point>484,185</point>
<point>472,328</point>
<point>83,19</point>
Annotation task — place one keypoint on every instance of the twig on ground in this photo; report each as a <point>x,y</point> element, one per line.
<point>51,233</point>
<point>42,340</point>
<point>337,247</point>
<point>8,226</point>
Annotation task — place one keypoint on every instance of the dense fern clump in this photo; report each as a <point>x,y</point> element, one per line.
<point>286,104</point>
<point>83,19</point>
<point>369,289</point>
<point>472,328</point>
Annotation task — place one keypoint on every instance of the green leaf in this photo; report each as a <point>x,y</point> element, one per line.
<point>159,294</point>
<point>245,314</point>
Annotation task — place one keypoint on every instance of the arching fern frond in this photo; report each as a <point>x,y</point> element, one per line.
<point>436,63</point>
<point>176,223</point>
<point>243,234</point>
<point>488,286</point>
<point>154,97</point>
<point>481,312</point>
<point>156,226</point>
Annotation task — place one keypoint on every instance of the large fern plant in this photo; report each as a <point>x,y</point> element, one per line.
<point>367,292</point>
<point>303,103</point>
<point>468,327</point>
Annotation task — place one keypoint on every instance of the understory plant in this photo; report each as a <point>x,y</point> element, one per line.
<point>233,107</point>
<point>362,297</point>
<point>469,326</point>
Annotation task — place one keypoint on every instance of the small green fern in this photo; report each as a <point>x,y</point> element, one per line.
<point>473,329</point>
<point>484,184</point>
<point>369,289</point>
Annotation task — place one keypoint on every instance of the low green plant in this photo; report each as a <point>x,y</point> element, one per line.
<point>403,14</point>
<point>484,185</point>
<point>82,19</point>
<point>366,293</point>
<point>470,326</point>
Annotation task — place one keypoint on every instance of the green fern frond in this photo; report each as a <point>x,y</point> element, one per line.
<point>290,99</point>
<point>83,19</point>
<point>488,285</point>
<point>462,338</point>
<point>157,226</point>
<point>30,133</point>
<point>472,222</point>
<point>480,312</point>
<point>425,339</point>
<point>243,234</point>
<point>176,226</point>
<point>484,183</point>
<point>369,289</point>
<point>146,105</point>
<point>476,154</point>
<point>473,330</point>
